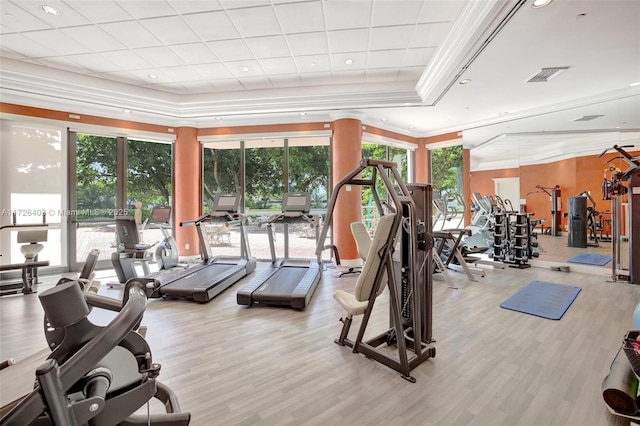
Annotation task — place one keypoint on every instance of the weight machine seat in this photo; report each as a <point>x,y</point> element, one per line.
<point>355,304</point>
<point>32,247</point>
<point>363,239</point>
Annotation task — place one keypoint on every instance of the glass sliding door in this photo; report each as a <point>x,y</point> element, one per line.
<point>149,166</point>
<point>309,169</point>
<point>32,189</point>
<point>95,180</point>
<point>221,174</point>
<point>264,187</point>
<point>446,178</point>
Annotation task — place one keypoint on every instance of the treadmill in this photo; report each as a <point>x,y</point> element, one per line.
<point>204,281</point>
<point>287,282</point>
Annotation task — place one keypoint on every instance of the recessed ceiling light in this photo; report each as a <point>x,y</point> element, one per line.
<point>465,81</point>
<point>217,118</point>
<point>537,4</point>
<point>50,10</point>
<point>245,69</point>
<point>503,113</point>
<point>384,119</point>
<point>302,114</point>
<point>127,111</point>
<point>349,62</point>
<point>152,76</point>
<point>313,64</point>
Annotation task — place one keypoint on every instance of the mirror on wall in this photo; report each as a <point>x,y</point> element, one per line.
<point>556,150</point>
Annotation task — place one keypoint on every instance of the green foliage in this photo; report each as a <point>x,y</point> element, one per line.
<point>148,172</point>
<point>446,164</point>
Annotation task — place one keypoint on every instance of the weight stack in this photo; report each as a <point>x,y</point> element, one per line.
<point>577,222</point>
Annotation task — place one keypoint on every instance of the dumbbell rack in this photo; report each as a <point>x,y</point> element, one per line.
<point>512,240</point>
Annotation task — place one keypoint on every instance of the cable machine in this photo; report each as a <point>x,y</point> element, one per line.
<point>407,273</point>
<point>613,189</point>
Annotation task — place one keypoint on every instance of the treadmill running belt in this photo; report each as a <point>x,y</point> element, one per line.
<point>280,285</point>
<point>202,277</point>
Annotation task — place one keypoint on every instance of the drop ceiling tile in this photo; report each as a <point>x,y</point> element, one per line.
<point>440,11</point>
<point>132,34</point>
<point>26,46</point>
<point>397,12</point>
<point>175,88</point>
<point>198,87</point>
<point>18,19</point>
<point>313,63</point>
<point>143,76</point>
<point>347,14</point>
<point>256,21</point>
<point>170,30</point>
<point>57,42</point>
<point>212,26</point>
<point>227,85</point>
<point>348,40</point>
<point>300,17</point>
<point>317,79</point>
<point>239,4</point>
<point>429,35</point>
<point>282,81</point>
<point>181,73</point>
<point>159,56</point>
<point>213,71</point>
<point>126,59</point>
<point>348,77</point>
<point>100,12</point>
<point>338,64</point>
<point>277,66</point>
<point>194,53</point>
<point>67,16</point>
<point>255,83</point>
<point>386,75</point>
<point>10,54</point>
<point>95,38</point>
<point>245,68</point>
<point>123,77</point>
<point>268,47</point>
<point>63,63</point>
<point>385,58</point>
<point>418,57</point>
<point>194,6</point>
<point>230,50</point>
<point>95,62</point>
<point>395,37</point>
<point>308,43</point>
<point>410,73</point>
<point>141,9</point>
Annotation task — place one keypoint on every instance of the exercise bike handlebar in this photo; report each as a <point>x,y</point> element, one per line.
<point>86,358</point>
<point>196,221</point>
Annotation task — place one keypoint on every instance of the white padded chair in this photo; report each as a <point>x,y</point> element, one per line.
<point>356,303</point>
<point>363,242</point>
<point>30,251</point>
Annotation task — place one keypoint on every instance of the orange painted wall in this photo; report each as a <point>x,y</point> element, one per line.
<point>187,188</point>
<point>573,175</point>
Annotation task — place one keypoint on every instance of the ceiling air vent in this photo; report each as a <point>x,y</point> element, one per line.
<point>588,117</point>
<point>546,74</point>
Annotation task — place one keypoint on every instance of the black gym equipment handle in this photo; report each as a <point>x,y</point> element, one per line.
<point>85,359</point>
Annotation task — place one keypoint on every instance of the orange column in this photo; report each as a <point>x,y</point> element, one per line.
<point>187,198</point>
<point>346,153</point>
<point>423,173</point>
<point>466,184</point>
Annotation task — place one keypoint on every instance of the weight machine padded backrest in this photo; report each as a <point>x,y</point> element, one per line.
<point>89,264</point>
<point>362,237</point>
<point>32,237</point>
<point>367,277</point>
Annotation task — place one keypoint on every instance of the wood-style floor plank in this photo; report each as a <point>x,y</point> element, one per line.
<point>234,365</point>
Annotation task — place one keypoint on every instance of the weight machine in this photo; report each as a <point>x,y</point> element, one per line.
<point>407,274</point>
<point>613,189</point>
<point>554,195</point>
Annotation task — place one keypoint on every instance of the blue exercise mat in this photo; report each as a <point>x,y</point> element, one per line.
<point>591,259</point>
<point>543,299</point>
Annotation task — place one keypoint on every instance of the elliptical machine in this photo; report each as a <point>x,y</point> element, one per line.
<point>95,375</point>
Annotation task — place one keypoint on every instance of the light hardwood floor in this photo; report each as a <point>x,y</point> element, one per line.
<point>232,365</point>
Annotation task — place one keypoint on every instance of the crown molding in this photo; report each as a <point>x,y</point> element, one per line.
<point>32,85</point>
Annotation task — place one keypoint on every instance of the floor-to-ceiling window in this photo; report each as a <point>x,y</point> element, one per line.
<point>262,170</point>
<point>32,188</point>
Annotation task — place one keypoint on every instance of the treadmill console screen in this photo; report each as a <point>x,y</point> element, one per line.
<point>226,203</point>
<point>296,202</point>
<point>160,214</point>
